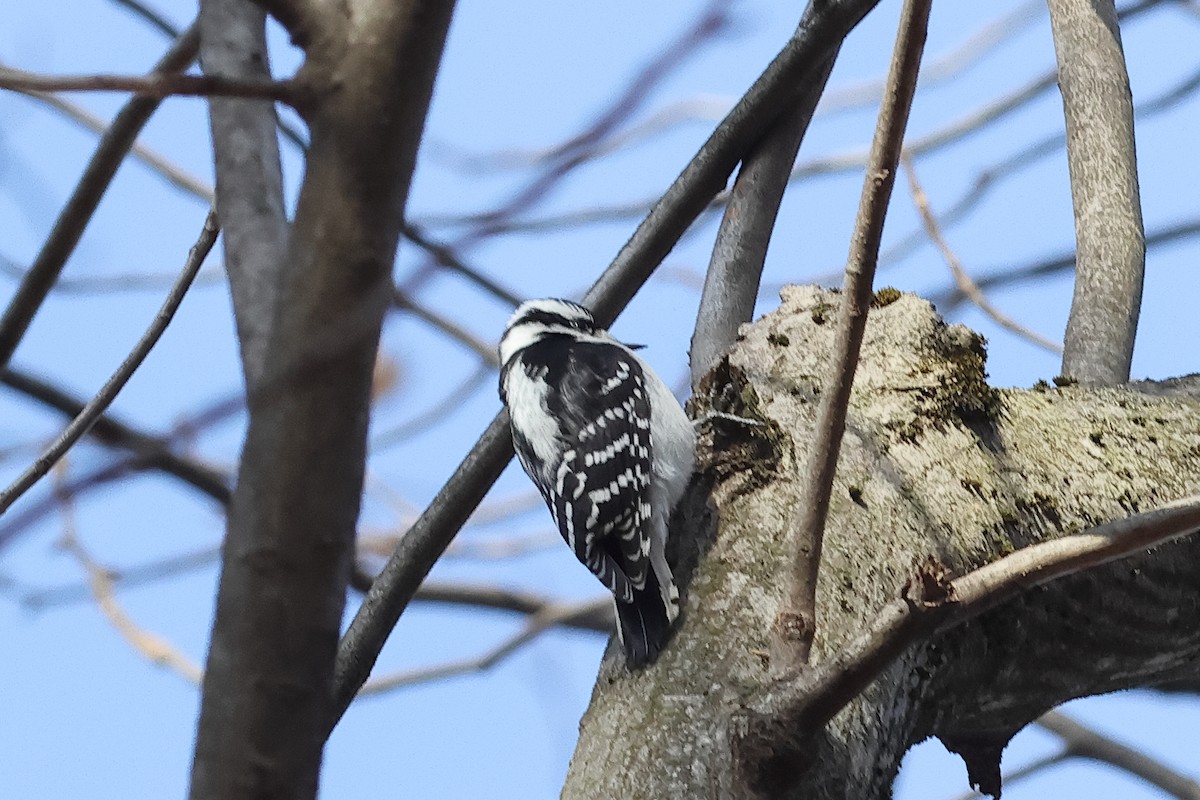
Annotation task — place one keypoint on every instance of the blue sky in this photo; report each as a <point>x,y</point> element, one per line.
<point>85,715</point>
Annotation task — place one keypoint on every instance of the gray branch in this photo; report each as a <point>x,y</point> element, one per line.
<point>249,177</point>
<point>1102,158</point>
<point>288,552</point>
<point>731,283</point>
<point>74,218</point>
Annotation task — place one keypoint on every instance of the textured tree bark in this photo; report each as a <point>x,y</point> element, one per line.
<point>233,44</point>
<point>1102,157</point>
<point>268,684</point>
<point>935,462</point>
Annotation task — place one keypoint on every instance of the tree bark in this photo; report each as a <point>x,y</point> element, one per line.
<point>268,683</point>
<point>935,462</point>
<point>1102,158</point>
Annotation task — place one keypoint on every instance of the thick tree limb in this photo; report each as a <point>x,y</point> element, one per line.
<point>1102,157</point>
<point>934,462</point>
<point>929,603</point>
<point>249,188</point>
<point>288,552</point>
<point>795,626</point>
<point>731,283</point>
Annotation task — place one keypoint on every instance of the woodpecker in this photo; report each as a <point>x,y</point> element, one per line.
<point>611,451</point>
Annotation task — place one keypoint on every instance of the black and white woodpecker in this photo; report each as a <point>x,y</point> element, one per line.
<point>611,450</point>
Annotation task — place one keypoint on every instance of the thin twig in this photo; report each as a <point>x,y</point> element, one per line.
<point>153,451</point>
<point>152,159</point>
<point>710,108</point>
<point>91,413</point>
<point>930,605</point>
<point>420,422</point>
<point>1055,264</point>
<point>155,649</point>
<point>485,350</point>
<point>794,627</point>
<point>150,16</point>
<point>204,192</point>
<point>156,86</point>
<point>965,283</point>
<point>445,256</point>
<point>592,616</point>
<point>21,519</point>
<point>69,227</point>
<point>994,174</point>
<point>1083,742</point>
<point>837,163</point>
<point>534,627</point>
<point>139,575</point>
<point>947,66</point>
<point>581,149</point>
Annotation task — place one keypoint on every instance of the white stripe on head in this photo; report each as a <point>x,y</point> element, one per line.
<point>535,319</point>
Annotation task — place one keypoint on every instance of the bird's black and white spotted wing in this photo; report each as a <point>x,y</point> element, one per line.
<point>598,492</point>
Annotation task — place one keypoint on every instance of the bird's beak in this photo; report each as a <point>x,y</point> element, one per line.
<point>635,346</point>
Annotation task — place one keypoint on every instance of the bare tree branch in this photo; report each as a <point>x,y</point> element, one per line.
<point>580,149</point>
<point>735,269</point>
<point>1083,742</point>
<point>537,624</point>
<point>964,281</point>
<point>485,350</point>
<point>171,172</point>
<point>420,421</point>
<point>289,549</point>
<point>446,256</point>
<point>153,452</point>
<point>969,51</point>
<point>1101,154</point>
<point>152,86</point>
<point>1059,263</point>
<point>794,627</point>
<point>931,603</point>
<point>153,647</point>
<point>150,16</point>
<point>992,175</point>
<point>249,190</point>
<point>69,226</point>
<point>594,616</point>
<point>90,413</point>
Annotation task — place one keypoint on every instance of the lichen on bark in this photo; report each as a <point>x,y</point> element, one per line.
<point>935,462</point>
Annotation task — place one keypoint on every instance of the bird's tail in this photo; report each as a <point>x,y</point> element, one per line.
<point>644,625</point>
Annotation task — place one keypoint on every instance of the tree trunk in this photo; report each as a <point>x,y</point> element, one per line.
<point>935,462</point>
